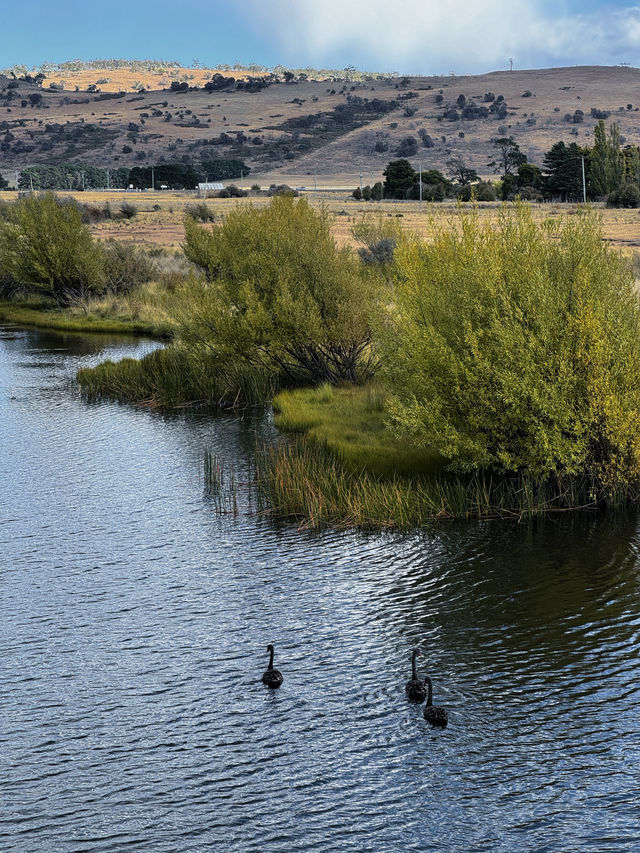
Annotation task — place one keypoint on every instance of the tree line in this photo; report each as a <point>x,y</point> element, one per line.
<point>177,176</point>
<point>605,171</point>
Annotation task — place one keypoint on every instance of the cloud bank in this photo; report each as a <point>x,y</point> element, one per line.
<point>468,36</point>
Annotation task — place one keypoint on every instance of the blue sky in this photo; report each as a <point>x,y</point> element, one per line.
<point>408,36</point>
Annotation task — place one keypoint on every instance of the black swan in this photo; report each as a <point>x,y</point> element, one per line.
<point>414,688</point>
<point>432,713</point>
<point>272,677</point>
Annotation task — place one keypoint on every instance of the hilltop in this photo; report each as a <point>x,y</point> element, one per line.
<point>302,127</point>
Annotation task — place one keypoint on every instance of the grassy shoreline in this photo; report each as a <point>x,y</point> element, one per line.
<point>342,469</point>
<point>306,483</point>
<point>43,316</point>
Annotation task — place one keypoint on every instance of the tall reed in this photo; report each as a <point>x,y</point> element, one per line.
<point>307,483</point>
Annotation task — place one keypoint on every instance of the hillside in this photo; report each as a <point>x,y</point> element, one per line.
<point>306,130</point>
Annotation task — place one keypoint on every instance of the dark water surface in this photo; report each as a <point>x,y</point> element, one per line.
<point>134,620</point>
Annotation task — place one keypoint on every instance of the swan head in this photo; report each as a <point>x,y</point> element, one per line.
<point>269,648</point>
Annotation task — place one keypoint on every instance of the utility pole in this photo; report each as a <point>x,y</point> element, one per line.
<point>315,179</point>
<point>17,179</point>
<point>420,179</point>
<point>82,176</point>
<point>108,179</point>
<point>360,181</point>
<point>241,179</point>
<point>153,178</point>
<point>584,183</point>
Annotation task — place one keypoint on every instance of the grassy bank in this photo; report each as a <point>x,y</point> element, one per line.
<point>46,317</point>
<point>350,422</point>
<point>345,468</point>
<point>147,310</point>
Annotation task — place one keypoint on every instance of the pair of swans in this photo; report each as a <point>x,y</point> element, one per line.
<point>415,689</point>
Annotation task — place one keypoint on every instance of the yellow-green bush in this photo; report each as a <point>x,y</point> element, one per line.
<point>45,247</point>
<point>280,294</point>
<point>516,348</point>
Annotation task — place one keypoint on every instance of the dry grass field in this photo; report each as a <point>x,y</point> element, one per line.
<point>160,215</point>
<point>138,128</point>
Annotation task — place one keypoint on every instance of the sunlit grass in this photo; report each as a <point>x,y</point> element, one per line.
<point>175,377</point>
<point>350,420</point>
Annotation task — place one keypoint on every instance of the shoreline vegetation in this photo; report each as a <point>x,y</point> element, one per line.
<point>47,316</point>
<point>489,371</point>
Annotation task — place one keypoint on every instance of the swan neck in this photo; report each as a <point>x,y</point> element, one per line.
<point>427,681</point>
<point>414,672</point>
<point>270,659</point>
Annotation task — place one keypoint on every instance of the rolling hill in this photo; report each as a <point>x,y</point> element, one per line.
<point>305,130</point>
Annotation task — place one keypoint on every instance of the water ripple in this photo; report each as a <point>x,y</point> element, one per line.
<point>134,629</point>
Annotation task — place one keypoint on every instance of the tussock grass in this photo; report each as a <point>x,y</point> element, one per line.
<point>174,377</point>
<point>350,421</point>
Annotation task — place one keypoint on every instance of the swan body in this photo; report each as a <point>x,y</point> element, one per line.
<point>272,677</point>
<point>414,688</point>
<point>434,714</point>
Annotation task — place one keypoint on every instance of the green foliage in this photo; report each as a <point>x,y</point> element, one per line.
<point>516,348</point>
<point>280,294</point>
<point>46,247</point>
<point>606,163</point>
<point>563,167</point>
<point>223,169</point>
<point>177,176</point>
<point>71,176</point>
<point>510,157</point>
<point>627,195</point>
<point>399,177</point>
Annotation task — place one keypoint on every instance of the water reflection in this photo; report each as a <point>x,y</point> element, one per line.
<point>135,621</point>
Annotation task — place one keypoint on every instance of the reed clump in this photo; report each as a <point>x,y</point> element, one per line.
<point>174,377</point>
<point>306,482</point>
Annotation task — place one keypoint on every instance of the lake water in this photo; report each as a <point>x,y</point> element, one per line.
<point>134,620</point>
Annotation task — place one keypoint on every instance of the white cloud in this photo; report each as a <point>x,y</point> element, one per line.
<point>436,37</point>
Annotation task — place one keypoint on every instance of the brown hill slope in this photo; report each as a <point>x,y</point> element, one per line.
<point>309,130</point>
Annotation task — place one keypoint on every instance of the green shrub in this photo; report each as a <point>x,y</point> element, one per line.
<point>46,248</point>
<point>516,348</point>
<point>627,195</point>
<point>280,294</point>
<point>200,212</point>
